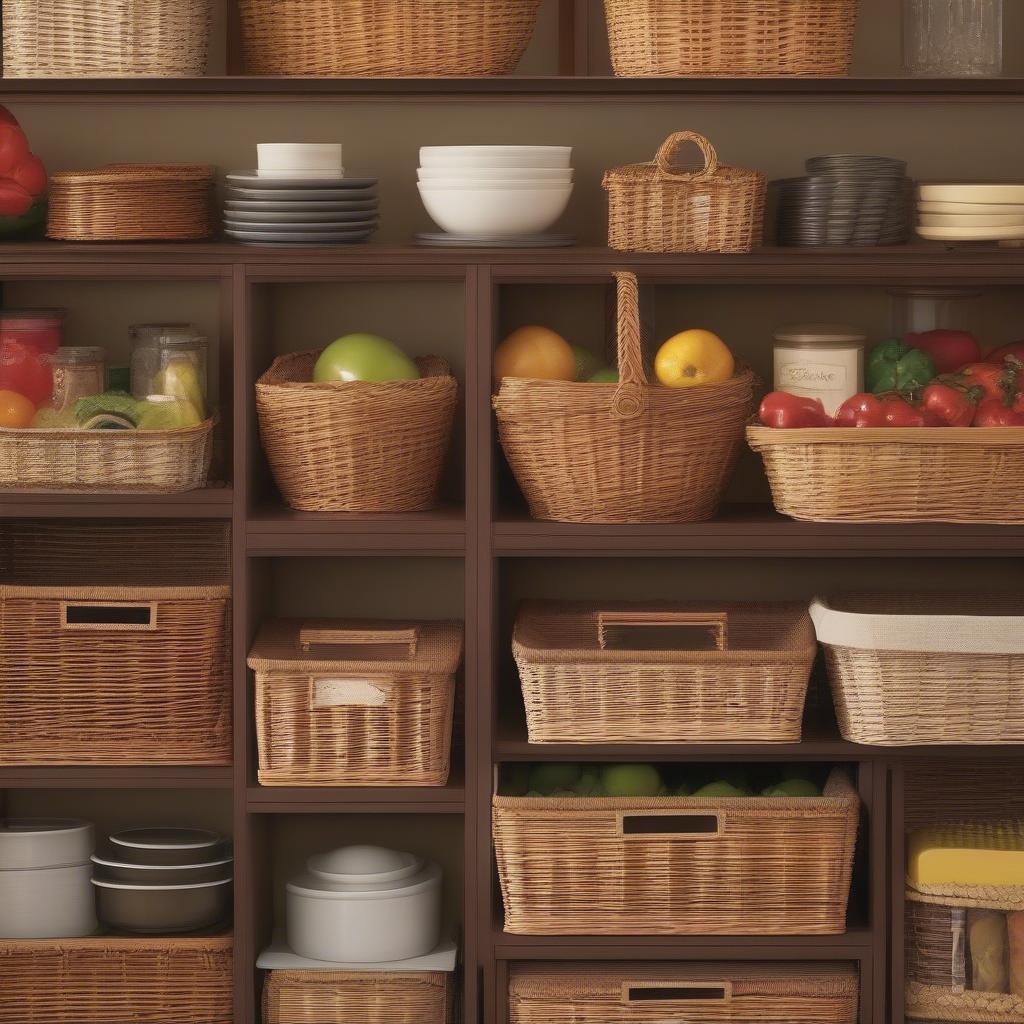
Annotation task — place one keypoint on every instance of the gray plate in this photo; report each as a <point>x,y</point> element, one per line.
<point>256,206</point>
<point>250,179</point>
<point>309,237</point>
<point>442,239</point>
<point>302,229</point>
<point>302,195</point>
<point>299,218</point>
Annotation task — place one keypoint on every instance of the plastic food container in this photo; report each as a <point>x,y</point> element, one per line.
<point>166,846</point>
<point>161,874</point>
<point>160,909</point>
<point>365,904</point>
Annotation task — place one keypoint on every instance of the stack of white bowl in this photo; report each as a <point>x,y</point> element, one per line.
<point>971,212</point>
<point>495,194</point>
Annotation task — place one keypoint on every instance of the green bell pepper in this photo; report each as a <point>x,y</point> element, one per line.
<point>895,366</point>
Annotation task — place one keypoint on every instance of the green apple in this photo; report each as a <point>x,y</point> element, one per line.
<point>721,788</point>
<point>631,780</point>
<point>549,778</point>
<point>587,364</point>
<point>605,376</point>
<point>588,784</point>
<point>793,787</point>
<point>363,357</point>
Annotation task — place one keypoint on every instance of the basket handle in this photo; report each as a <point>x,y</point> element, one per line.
<point>713,626</point>
<point>643,993</point>
<point>108,616</point>
<point>671,146</point>
<point>689,826</point>
<point>334,636</point>
<point>630,400</point>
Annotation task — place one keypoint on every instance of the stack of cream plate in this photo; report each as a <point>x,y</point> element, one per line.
<point>971,212</point>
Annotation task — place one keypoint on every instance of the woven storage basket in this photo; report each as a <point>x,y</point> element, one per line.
<point>716,993</point>
<point>111,461</point>
<point>677,865</point>
<point>731,38</point>
<point>655,207</point>
<point>111,672</point>
<point>356,446</point>
<point>106,38</point>
<point>108,980</point>
<point>131,203</point>
<point>626,453</point>
<point>925,669</point>
<point>895,475</point>
<point>359,997</point>
<point>385,38</point>
<point>349,703</point>
<point>598,674</point>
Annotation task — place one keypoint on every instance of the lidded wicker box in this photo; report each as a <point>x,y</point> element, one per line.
<point>663,673</point>
<point>355,703</point>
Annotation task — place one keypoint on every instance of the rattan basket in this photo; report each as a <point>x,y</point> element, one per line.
<point>716,993</point>
<point>626,453</point>
<point>895,475</point>
<point>731,38</point>
<point>359,997</point>
<point>110,980</point>
<point>106,38</point>
<point>356,446</point>
<point>350,703</point>
<point>131,203</point>
<point>655,207</point>
<point>677,865</point>
<point>609,673</point>
<point>385,38</point>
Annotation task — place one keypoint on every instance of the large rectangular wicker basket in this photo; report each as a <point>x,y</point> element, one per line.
<point>677,865</point>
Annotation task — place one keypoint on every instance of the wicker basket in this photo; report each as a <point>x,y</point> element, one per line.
<point>716,993</point>
<point>926,669</point>
<point>645,673</point>
<point>677,865</point>
<point>111,672</point>
<point>355,703</point>
<point>626,453</point>
<point>356,446</point>
<point>731,38</point>
<point>106,38</point>
<point>901,475</point>
<point>110,461</point>
<point>108,980</point>
<point>385,38</point>
<point>131,203</point>
<point>655,207</point>
<point>359,997</point>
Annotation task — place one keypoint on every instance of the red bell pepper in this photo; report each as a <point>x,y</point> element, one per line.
<point>949,350</point>
<point>782,410</point>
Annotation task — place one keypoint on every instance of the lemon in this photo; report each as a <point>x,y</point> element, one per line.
<point>179,379</point>
<point>693,358</point>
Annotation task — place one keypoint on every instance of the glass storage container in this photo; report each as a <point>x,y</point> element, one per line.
<point>916,310</point>
<point>79,371</point>
<point>170,359</point>
<point>953,38</point>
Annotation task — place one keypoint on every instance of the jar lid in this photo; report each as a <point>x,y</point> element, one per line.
<point>35,843</point>
<point>362,865</point>
<point>167,838</point>
<point>77,355</point>
<point>821,335</point>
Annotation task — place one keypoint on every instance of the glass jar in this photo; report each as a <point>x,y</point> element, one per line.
<point>27,336</point>
<point>953,38</point>
<point>916,310</point>
<point>823,361</point>
<point>170,359</point>
<point>78,372</point>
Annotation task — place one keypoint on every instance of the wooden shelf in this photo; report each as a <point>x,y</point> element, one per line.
<point>119,777</point>
<point>208,503</point>
<point>450,799</point>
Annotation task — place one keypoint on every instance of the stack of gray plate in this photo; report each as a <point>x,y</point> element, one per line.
<point>299,211</point>
<point>846,199</point>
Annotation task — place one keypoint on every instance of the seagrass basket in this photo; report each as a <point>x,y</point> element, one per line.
<point>385,38</point>
<point>359,997</point>
<point>895,475</point>
<point>356,446</point>
<point>677,865</point>
<point>928,669</point>
<point>731,38</point>
<point>106,979</point>
<point>716,993</point>
<point>630,452</point>
<point>131,203</point>
<point>355,703</point>
<point>106,38</point>
<point>656,207</point>
<point>663,673</point>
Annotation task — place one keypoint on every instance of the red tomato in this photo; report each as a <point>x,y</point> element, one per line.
<point>995,381</point>
<point>999,354</point>
<point>994,412</point>
<point>898,412</point>
<point>14,200</point>
<point>950,404</point>
<point>22,369</point>
<point>949,350</point>
<point>30,174</point>
<point>863,410</point>
<point>13,148</point>
<point>783,410</point>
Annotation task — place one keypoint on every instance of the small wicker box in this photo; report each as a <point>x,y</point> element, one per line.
<point>359,997</point>
<point>584,684</point>
<point>351,703</point>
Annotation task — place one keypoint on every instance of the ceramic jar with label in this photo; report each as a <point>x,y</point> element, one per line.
<point>823,361</point>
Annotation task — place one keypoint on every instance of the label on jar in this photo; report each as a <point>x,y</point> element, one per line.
<point>831,376</point>
<point>805,376</point>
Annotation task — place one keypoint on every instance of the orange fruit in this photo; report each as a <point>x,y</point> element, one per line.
<point>693,358</point>
<point>15,410</point>
<point>535,352</point>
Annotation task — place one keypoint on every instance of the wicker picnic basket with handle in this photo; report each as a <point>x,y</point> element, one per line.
<point>656,207</point>
<point>630,452</point>
<point>356,446</point>
<point>385,38</point>
<point>675,865</point>
<point>731,38</point>
<point>663,673</point>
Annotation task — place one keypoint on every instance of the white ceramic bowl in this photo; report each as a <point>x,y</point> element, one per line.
<point>556,174</point>
<point>495,212</point>
<point>495,156</point>
<point>485,186</point>
<point>299,156</point>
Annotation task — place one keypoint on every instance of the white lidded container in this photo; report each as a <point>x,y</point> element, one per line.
<point>365,904</point>
<point>44,878</point>
<point>823,361</point>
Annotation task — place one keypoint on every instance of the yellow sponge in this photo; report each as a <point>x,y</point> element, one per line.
<point>991,853</point>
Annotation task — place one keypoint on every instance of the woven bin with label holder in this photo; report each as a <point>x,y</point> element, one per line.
<point>354,703</point>
<point>675,865</point>
<point>655,207</point>
<point>663,673</point>
<point>631,452</point>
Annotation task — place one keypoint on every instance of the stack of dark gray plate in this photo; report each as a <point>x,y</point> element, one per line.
<point>846,199</point>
